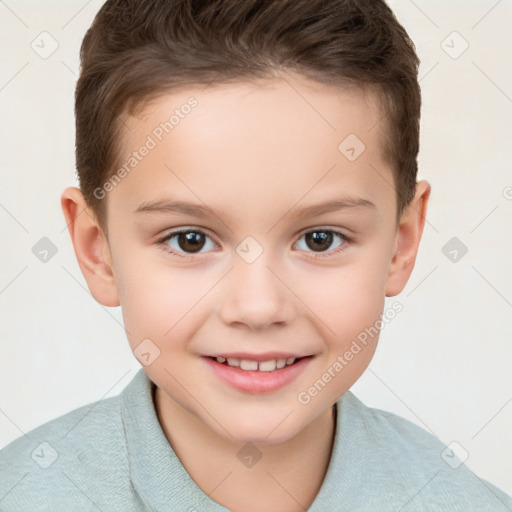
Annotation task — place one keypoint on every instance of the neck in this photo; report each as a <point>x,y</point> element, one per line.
<point>287,477</point>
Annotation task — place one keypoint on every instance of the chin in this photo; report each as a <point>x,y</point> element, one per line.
<point>261,430</point>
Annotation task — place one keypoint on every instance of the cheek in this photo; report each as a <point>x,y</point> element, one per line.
<point>347,299</point>
<point>160,303</point>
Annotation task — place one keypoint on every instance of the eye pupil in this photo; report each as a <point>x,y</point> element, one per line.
<point>191,241</point>
<point>322,239</point>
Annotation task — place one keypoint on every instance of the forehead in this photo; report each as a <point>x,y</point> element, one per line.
<point>278,141</point>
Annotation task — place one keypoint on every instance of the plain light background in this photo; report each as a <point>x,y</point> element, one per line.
<point>444,362</point>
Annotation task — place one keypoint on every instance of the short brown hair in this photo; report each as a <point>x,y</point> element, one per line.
<point>138,49</point>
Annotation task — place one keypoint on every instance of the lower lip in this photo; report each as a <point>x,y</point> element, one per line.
<point>254,381</point>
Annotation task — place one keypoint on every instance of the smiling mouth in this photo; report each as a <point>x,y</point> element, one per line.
<point>259,366</point>
<point>259,374</point>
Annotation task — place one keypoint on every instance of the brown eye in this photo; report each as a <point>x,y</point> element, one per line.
<point>321,241</point>
<point>188,241</point>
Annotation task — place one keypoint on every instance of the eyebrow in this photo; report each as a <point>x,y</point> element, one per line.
<point>204,212</point>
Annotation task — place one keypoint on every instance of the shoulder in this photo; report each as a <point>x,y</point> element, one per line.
<point>412,467</point>
<point>73,455</point>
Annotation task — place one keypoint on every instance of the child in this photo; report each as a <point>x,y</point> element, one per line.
<point>248,196</point>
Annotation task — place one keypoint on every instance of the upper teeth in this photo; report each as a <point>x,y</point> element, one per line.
<point>262,366</point>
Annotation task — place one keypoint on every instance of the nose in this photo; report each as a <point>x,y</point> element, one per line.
<point>255,296</point>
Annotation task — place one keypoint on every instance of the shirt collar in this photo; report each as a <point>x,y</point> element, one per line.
<point>160,479</point>
<point>157,475</point>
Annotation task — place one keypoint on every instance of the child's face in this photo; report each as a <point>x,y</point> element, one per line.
<point>261,281</point>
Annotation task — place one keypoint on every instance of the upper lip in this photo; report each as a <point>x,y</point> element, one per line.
<point>266,356</point>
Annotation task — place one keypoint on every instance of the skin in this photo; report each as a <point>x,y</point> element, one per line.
<point>252,152</point>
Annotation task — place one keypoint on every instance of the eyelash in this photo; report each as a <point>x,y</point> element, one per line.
<point>162,242</point>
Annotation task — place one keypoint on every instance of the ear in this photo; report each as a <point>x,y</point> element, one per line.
<point>408,238</point>
<point>91,247</point>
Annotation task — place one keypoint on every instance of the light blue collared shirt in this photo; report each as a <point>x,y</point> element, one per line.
<point>113,456</point>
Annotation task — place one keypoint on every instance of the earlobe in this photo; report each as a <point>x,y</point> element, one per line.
<point>91,247</point>
<point>408,239</point>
